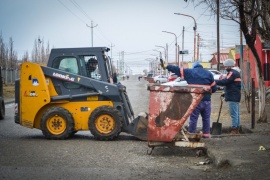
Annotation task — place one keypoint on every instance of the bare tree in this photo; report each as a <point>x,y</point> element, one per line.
<point>35,52</point>
<point>12,60</point>
<point>2,51</point>
<point>253,17</point>
<point>47,52</point>
<point>39,53</point>
<point>25,57</point>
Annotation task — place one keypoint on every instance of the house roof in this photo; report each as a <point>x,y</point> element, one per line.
<point>224,54</point>
<point>223,57</point>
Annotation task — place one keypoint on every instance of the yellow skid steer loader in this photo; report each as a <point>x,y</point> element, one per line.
<point>67,96</point>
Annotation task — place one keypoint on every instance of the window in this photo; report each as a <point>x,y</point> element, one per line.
<point>68,64</point>
<point>91,66</point>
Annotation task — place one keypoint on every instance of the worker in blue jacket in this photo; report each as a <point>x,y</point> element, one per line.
<point>197,75</point>
<point>232,92</point>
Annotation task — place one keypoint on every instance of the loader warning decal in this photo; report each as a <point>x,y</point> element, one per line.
<point>35,82</point>
<point>66,77</point>
<point>30,93</point>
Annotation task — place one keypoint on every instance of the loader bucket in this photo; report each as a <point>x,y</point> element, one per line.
<point>139,126</point>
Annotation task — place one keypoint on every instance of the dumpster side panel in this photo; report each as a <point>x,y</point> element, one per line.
<point>169,109</point>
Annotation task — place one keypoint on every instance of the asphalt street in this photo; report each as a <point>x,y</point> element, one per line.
<point>26,154</point>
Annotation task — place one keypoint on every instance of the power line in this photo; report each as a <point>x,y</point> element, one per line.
<point>71,11</point>
<point>85,14</point>
<point>80,9</point>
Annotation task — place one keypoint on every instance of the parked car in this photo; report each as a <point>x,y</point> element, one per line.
<point>160,79</point>
<point>218,76</point>
<point>177,82</point>
<point>172,77</point>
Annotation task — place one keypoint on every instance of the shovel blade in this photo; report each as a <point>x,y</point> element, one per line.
<point>216,128</point>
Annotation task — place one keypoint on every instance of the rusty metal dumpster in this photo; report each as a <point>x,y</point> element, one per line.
<point>169,108</point>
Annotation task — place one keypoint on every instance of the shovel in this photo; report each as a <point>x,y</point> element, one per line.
<point>216,126</point>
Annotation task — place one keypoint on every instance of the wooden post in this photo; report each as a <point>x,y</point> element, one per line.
<point>252,103</point>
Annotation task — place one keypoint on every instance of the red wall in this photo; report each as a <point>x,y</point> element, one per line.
<point>249,58</point>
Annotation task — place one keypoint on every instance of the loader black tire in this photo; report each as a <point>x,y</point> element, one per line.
<point>2,110</point>
<point>57,123</point>
<point>105,123</point>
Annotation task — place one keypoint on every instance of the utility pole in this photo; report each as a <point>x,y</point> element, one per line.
<point>198,47</point>
<point>183,43</point>
<point>122,63</point>
<point>218,48</point>
<point>242,59</point>
<point>92,27</point>
<point>167,53</point>
<point>111,46</point>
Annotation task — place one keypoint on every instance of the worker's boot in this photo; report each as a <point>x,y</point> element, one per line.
<point>234,131</point>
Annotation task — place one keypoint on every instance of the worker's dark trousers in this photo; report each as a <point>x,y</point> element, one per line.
<point>203,108</point>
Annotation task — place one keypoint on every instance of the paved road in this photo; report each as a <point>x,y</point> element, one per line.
<point>26,154</point>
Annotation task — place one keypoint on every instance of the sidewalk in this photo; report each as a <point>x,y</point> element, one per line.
<point>250,148</point>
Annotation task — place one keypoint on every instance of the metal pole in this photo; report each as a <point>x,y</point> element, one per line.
<point>167,58</point>
<point>92,27</point>
<point>195,59</point>
<point>218,46</point>
<point>253,104</point>
<point>176,47</point>
<point>194,28</point>
<point>165,54</point>
<point>198,47</point>
<point>183,44</point>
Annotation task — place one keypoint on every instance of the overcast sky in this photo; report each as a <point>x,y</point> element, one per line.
<point>132,26</point>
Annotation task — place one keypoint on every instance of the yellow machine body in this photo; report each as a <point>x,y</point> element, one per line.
<point>36,91</point>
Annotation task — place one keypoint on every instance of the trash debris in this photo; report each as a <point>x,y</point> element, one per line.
<point>207,161</point>
<point>199,152</point>
<point>261,148</point>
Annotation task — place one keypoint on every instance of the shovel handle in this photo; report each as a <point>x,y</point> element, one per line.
<point>221,98</point>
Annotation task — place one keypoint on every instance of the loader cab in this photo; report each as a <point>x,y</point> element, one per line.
<point>77,61</point>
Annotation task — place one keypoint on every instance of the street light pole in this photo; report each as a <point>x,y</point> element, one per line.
<point>194,28</point>
<point>176,47</point>
<point>165,54</point>
<point>160,53</point>
<point>151,60</point>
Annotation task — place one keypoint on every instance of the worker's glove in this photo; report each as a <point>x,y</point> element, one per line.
<point>162,64</point>
<point>222,94</point>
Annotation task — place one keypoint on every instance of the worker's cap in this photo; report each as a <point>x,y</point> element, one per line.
<point>92,61</point>
<point>229,62</point>
<point>195,64</point>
